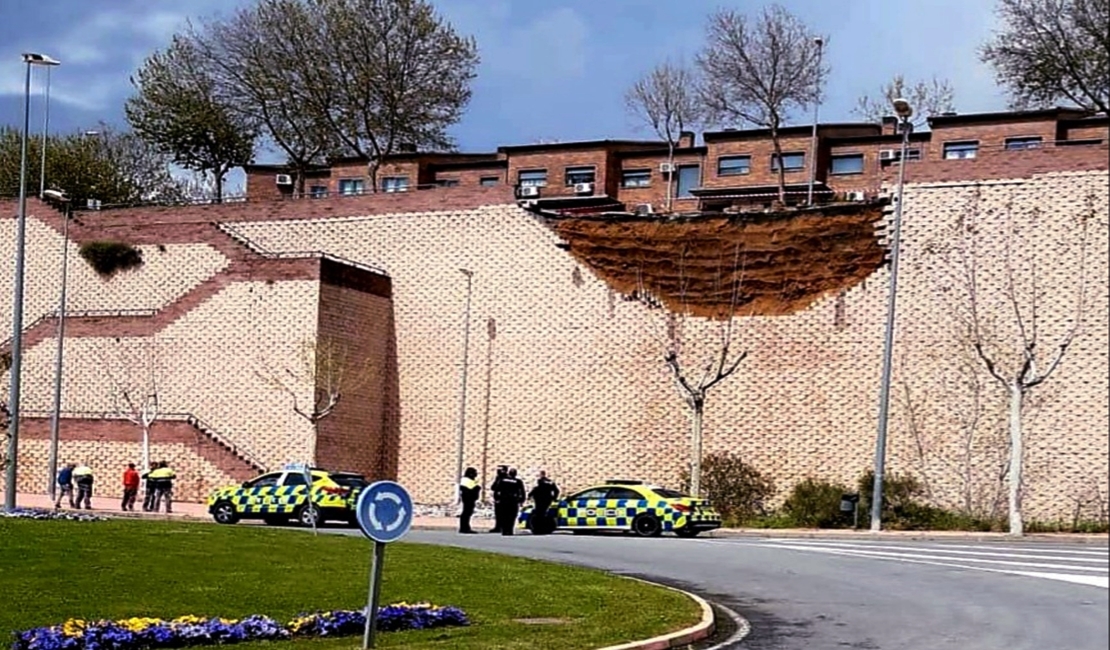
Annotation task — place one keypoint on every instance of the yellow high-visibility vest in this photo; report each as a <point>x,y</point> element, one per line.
<point>468,483</point>
<point>163,473</point>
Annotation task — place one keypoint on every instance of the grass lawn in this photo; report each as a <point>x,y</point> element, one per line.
<point>54,570</point>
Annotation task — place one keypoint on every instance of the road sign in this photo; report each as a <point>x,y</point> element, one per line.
<point>384,511</point>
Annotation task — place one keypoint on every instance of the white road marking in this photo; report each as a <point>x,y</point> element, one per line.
<point>1102,551</point>
<point>945,550</point>
<point>923,556</point>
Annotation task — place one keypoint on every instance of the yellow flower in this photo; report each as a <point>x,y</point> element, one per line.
<point>137,624</point>
<point>73,627</point>
<point>188,619</point>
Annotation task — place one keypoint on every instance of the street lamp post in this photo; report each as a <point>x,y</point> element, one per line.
<point>462,393</point>
<point>55,417</point>
<point>17,302</point>
<point>820,43</point>
<point>904,111</point>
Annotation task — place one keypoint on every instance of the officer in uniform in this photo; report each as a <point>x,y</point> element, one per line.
<point>163,478</point>
<point>83,477</point>
<point>496,489</point>
<point>469,491</point>
<point>513,496</point>
<point>543,495</point>
<point>149,489</point>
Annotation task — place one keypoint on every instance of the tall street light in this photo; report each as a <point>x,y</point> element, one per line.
<point>56,414</point>
<point>45,130</point>
<point>820,43</point>
<point>904,111</point>
<point>462,393</point>
<point>30,59</point>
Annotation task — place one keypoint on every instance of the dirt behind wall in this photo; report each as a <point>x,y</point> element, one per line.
<point>714,266</point>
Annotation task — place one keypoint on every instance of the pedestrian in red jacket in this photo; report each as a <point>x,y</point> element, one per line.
<point>130,487</point>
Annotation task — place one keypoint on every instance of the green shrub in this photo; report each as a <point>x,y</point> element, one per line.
<point>109,257</point>
<point>815,503</point>
<point>737,490</point>
<point>904,509</point>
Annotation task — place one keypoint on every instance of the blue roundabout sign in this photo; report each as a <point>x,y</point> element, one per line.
<point>384,511</point>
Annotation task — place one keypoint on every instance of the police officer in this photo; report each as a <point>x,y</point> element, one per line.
<point>83,477</point>
<point>163,478</point>
<point>543,495</point>
<point>496,489</point>
<point>469,491</point>
<point>513,496</point>
<point>148,487</point>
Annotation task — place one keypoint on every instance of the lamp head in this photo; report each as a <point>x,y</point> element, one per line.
<point>33,58</point>
<point>55,195</point>
<point>818,41</point>
<point>902,108</point>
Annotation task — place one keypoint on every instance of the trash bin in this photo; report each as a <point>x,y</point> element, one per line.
<point>850,503</point>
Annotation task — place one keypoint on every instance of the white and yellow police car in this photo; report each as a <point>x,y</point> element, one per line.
<point>277,497</point>
<point>626,505</point>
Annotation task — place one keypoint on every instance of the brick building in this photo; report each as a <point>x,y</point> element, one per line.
<point>566,369</point>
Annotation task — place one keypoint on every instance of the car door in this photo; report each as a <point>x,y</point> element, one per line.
<point>580,510</point>
<point>622,505</point>
<point>260,493</point>
<point>290,495</point>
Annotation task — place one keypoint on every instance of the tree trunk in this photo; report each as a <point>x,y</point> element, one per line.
<point>781,176</point>
<point>146,449</point>
<point>219,198</point>
<point>698,409</point>
<point>1017,394</point>
<point>670,176</point>
<point>300,183</point>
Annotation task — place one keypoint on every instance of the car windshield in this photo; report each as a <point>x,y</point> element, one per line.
<point>670,494</point>
<point>349,480</point>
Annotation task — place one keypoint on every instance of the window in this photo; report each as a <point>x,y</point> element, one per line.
<point>670,494</point>
<point>961,150</point>
<point>448,182</point>
<point>318,191</point>
<point>395,184</point>
<point>624,493</point>
<point>576,175</point>
<point>596,493</point>
<point>488,181</point>
<point>266,480</point>
<point>350,186</point>
<point>847,164</point>
<point>533,178</point>
<point>636,178</point>
<point>688,178</point>
<point>791,162</point>
<point>1017,144</point>
<point>294,478</point>
<point>734,165</point>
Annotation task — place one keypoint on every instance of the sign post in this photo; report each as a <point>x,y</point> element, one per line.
<point>304,469</point>
<point>384,513</point>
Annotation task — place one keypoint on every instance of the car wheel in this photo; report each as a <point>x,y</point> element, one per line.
<point>687,532</point>
<point>647,525</point>
<point>272,520</point>
<point>224,513</point>
<point>308,515</point>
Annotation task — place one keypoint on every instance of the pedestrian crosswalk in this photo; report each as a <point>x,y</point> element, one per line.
<point>1079,565</point>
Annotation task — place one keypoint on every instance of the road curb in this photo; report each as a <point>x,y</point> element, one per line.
<point>684,637</point>
<point>912,536</point>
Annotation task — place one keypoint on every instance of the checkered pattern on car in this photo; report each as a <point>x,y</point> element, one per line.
<point>279,500</point>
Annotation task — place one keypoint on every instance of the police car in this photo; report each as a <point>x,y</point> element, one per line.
<point>625,505</point>
<point>277,497</point>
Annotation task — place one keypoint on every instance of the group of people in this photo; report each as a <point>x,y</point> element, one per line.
<point>509,495</point>
<point>158,482</point>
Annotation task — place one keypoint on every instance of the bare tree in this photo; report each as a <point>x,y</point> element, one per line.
<point>696,369</point>
<point>929,98</point>
<point>666,100</point>
<point>326,369</point>
<point>1005,320</point>
<point>759,70</point>
<point>1050,50</point>
<point>134,379</point>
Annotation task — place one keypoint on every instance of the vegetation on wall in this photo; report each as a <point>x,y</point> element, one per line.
<point>109,257</point>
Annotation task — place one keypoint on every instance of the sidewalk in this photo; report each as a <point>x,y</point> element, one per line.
<point>186,511</point>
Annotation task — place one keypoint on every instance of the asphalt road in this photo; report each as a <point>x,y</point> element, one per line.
<point>867,595</point>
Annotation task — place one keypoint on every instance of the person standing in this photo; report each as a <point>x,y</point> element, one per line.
<point>83,477</point>
<point>543,495</point>
<point>130,488</point>
<point>65,485</point>
<point>163,486</point>
<point>497,490</point>
<point>148,488</point>
<point>513,497</point>
<point>469,491</point>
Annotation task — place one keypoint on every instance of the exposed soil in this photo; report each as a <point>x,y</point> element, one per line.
<point>718,265</point>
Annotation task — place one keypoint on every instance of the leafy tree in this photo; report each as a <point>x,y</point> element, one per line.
<point>928,98</point>
<point>177,110</point>
<point>758,70</point>
<point>666,100</point>
<point>112,166</point>
<point>1048,50</point>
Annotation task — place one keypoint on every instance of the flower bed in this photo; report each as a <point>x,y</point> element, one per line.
<point>38,513</point>
<point>144,633</point>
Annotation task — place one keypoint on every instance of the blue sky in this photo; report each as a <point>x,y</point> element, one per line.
<point>553,70</point>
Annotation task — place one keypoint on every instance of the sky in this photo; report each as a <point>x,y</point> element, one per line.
<point>554,70</point>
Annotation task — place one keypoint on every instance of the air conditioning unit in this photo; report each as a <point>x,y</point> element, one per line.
<point>583,188</point>
<point>529,190</point>
<point>666,168</point>
<point>644,209</point>
<point>855,196</point>
<point>284,179</point>
<point>888,154</point>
